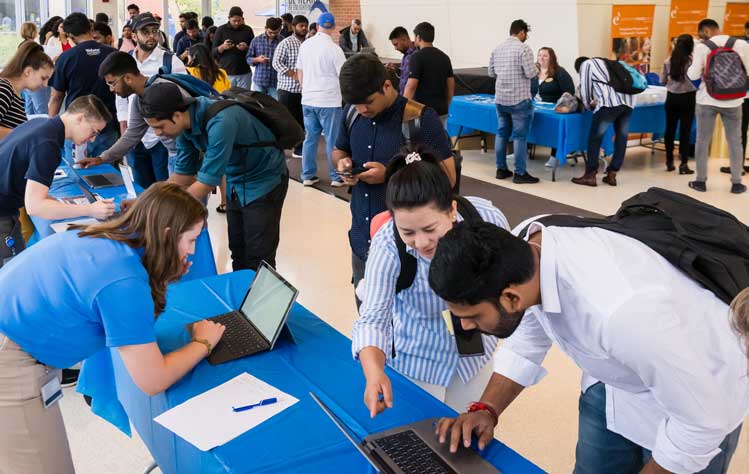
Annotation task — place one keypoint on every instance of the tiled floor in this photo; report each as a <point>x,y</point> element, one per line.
<point>314,255</point>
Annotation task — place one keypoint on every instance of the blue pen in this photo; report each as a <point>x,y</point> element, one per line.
<point>267,401</point>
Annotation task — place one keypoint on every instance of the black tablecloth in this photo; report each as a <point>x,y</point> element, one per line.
<point>474,80</point>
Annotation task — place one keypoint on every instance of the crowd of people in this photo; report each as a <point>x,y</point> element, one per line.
<point>656,348</point>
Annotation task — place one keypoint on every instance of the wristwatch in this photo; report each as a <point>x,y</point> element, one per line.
<point>478,406</point>
<point>205,343</point>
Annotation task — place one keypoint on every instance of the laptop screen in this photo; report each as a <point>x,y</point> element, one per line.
<point>268,302</point>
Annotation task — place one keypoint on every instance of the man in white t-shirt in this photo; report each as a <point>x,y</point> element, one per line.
<point>319,63</point>
<point>708,108</point>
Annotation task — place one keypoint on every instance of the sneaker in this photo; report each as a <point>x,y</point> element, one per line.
<point>311,181</point>
<point>684,169</point>
<point>552,162</point>
<point>698,186</point>
<point>727,170</point>
<point>503,174</point>
<point>69,378</point>
<point>738,188</point>
<point>524,179</point>
<point>337,184</point>
<point>295,154</point>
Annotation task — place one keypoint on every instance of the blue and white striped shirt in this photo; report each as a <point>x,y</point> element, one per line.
<point>594,79</point>
<point>425,350</point>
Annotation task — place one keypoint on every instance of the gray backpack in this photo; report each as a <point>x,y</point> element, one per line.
<point>725,75</point>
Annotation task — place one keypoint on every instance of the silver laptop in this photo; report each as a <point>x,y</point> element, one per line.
<point>412,449</point>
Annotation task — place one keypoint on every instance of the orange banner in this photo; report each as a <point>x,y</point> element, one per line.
<point>684,17</point>
<point>736,15</point>
<point>631,32</point>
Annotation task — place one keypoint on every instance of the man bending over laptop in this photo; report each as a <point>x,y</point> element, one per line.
<point>31,153</point>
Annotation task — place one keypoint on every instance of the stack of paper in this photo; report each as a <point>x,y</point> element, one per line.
<point>207,420</point>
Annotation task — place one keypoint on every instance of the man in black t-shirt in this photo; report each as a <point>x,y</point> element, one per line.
<point>430,75</point>
<point>76,74</point>
<point>230,45</point>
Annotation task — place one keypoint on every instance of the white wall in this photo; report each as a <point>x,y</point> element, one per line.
<point>468,30</point>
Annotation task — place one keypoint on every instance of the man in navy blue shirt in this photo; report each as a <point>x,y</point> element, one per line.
<point>192,36</point>
<point>372,139</point>
<point>77,74</point>
<point>31,153</point>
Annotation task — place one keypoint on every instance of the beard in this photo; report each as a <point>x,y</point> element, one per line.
<point>145,47</point>
<point>507,323</point>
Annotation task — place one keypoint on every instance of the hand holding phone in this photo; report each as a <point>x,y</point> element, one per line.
<point>351,172</point>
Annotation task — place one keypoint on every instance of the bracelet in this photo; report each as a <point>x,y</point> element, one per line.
<point>479,406</point>
<point>205,343</point>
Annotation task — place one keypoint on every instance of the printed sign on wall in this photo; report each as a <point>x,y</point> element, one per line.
<point>737,14</point>
<point>684,17</point>
<point>631,33</point>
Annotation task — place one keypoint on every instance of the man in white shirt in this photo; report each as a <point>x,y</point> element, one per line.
<point>664,385</point>
<point>148,154</point>
<point>708,108</point>
<point>319,63</point>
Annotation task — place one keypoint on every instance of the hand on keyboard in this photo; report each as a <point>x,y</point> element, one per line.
<point>479,422</point>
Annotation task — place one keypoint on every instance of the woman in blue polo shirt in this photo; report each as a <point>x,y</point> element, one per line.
<point>80,291</point>
<point>406,329</point>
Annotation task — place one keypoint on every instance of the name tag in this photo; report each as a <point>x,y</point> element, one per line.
<point>51,392</point>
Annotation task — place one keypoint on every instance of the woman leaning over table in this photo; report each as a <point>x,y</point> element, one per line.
<point>79,291</point>
<point>552,81</point>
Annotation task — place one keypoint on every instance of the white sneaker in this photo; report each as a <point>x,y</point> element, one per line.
<point>552,162</point>
<point>337,184</point>
<point>311,181</point>
<point>295,155</point>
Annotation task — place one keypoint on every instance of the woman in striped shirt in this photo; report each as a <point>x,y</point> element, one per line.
<point>408,329</point>
<point>28,69</point>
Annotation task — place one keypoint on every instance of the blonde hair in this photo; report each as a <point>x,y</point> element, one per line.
<point>28,31</point>
<point>740,317</point>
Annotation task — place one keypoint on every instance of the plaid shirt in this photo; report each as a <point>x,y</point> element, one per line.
<point>513,65</point>
<point>265,75</point>
<point>284,60</point>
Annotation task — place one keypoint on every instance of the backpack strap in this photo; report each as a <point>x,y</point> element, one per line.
<point>220,105</point>
<point>731,41</point>
<point>467,210</point>
<point>408,263</point>
<point>166,63</point>
<point>351,115</point>
<point>411,123</point>
<point>711,45</point>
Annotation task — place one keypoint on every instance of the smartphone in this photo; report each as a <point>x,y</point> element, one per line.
<point>230,41</point>
<point>470,343</point>
<point>352,172</point>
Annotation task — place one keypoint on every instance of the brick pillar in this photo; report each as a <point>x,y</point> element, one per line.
<point>344,11</point>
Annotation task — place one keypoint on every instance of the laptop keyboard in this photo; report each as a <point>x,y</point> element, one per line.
<point>240,338</point>
<point>412,455</point>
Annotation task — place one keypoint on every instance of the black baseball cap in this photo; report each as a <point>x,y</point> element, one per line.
<point>144,19</point>
<point>162,99</point>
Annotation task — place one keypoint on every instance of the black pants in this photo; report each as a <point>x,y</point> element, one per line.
<point>744,124</point>
<point>293,102</point>
<point>11,238</point>
<point>679,109</point>
<point>254,229</point>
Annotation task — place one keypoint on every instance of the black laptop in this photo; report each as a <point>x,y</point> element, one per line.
<point>104,180</point>
<point>412,449</point>
<point>257,324</point>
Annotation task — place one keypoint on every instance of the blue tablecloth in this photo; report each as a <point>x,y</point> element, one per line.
<point>565,132</point>
<point>299,440</point>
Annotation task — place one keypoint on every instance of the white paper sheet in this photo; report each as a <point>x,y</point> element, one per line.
<point>63,226</point>
<point>207,420</point>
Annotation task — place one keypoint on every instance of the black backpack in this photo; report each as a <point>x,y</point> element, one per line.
<point>408,262</point>
<point>708,244</point>
<point>621,77</point>
<point>265,108</point>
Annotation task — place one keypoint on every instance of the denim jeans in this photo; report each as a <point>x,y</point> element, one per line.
<point>149,164</point>
<point>731,118</point>
<point>271,91</point>
<point>600,450</point>
<point>602,119</point>
<point>241,80</point>
<point>317,120</point>
<point>101,144</point>
<point>514,124</point>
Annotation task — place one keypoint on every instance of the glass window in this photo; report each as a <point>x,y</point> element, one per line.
<point>32,11</point>
<point>7,16</point>
<point>79,6</point>
<point>255,12</point>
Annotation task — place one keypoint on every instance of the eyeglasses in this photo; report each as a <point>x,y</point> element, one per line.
<point>112,84</point>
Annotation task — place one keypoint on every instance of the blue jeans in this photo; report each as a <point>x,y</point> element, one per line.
<point>602,119</point>
<point>242,80</point>
<point>149,165</point>
<point>271,91</point>
<point>514,123</point>
<point>36,102</point>
<point>101,144</point>
<point>600,450</point>
<point>317,120</point>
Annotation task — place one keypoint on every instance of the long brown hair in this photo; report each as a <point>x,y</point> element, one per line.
<point>553,63</point>
<point>155,223</point>
<point>201,58</point>
<point>29,54</point>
